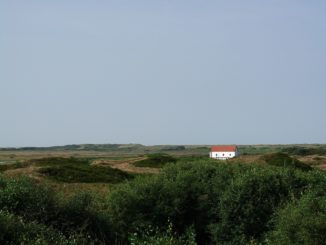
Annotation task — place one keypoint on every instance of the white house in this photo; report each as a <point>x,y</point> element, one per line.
<point>224,152</point>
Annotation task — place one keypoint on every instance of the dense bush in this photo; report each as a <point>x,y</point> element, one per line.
<point>284,160</point>
<point>32,211</point>
<point>247,204</point>
<point>74,170</point>
<point>185,194</point>
<point>152,236</point>
<point>158,160</point>
<point>14,230</point>
<point>207,202</point>
<point>17,164</point>
<point>23,197</point>
<point>224,203</point>
<point>85,174</point>
<point>84,214</point>
<point>305,151</point>
<point>302,221</point>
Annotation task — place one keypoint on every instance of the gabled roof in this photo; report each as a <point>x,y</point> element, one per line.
<point>224,148</point>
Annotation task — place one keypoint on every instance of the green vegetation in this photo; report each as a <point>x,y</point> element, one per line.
<point>300,150</point>
<point>158,160</point>
<point>152,236</point>
<point>79,170</point>
<point>86,174</point>
<point>302,221</point>
<point>305,151</point>
<point>227,204</point>
<point>14,230</point>
<point>5,167</point>
<point>192,201</point>
<point>33,214</point>
<point>284,160</point>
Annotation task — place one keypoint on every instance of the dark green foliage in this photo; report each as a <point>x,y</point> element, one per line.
<point>29,214</point>
<point>30,211</point>
<point>195,158</point>
<point>4,167</point>
<point>305,151</point>
<point>301,222</point>
<point>284,160</point>
<point>256,149</point>
<point>152,236</point>
<point>207,201</point>
<point>156,161</point>
<point>23,197</point>
<point>86,174</point>
<point>75,170</point>
<point>55,161</point>
<point>14,230</point>
<point>84,214</point>
<point>187,194</point>
<point>247,204</point>
<point>174,148</point>
<point>227,204</point>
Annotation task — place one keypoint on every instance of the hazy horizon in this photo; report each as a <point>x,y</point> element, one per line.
<point>162,72</point>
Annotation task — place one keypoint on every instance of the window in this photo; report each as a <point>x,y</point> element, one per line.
<point>230,154</point>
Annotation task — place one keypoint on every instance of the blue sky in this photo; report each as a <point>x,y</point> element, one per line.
<point>162,72</point>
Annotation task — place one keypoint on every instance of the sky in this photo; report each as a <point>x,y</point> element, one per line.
<point>162,72</point>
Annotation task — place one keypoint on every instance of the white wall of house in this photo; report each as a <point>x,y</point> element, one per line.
<point>223,155</point>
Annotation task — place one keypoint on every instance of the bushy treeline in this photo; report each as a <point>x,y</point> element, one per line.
<point>199,202</point>
<point>32,213</point>
<point>305,151</point>
<point>224,204</point>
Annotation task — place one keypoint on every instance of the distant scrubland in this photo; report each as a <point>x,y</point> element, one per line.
<point>275,196</point>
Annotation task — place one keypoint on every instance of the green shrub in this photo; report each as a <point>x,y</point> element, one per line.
<point>17,164</point>
<point>151,236</point>
<point>85,174</point>
<point>305,151</point>
<point>186,194</point>
<point>211,201</point>
<point>24,197</point>
<point>74,170</point>
<point>78,218</point>
<point>194,158</point>
<point>301,222</point>
<point>82,214</point>
<point>284,160</point>
<point>56,161</point>
<point>155,161</point>
<point>224,203</point>
<point>14,230</point>
<point>247,204</point>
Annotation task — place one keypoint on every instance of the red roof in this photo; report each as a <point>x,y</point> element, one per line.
<point>224,148</point>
